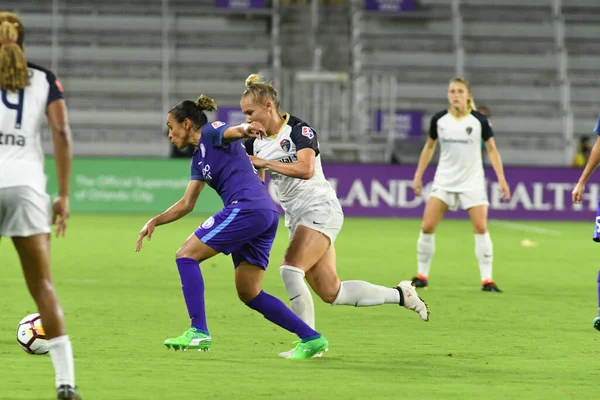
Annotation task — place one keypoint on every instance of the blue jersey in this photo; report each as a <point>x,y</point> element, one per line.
<point>597,128</point>
<point>226,168</point>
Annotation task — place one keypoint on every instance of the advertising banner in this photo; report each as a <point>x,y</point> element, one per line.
<point>130,185</point>
<point>364,190</point>
<point>381,190</point>
<point>390,5</point>
<point>407,123</point>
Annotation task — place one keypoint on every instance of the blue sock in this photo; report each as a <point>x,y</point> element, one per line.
<point>192,285</point>
<point>275,311</point>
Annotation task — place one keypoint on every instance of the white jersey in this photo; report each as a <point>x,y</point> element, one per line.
<point>21,116</point>
<point>295,195</point>
<point>460,167</point>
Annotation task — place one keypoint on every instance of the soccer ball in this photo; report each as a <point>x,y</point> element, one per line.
<point>31,335</point>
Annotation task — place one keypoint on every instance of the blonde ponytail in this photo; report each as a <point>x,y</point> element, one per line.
<point>471,104</point>
<point>14,74</point>
<point>252,79</point>
<point>205,103</point>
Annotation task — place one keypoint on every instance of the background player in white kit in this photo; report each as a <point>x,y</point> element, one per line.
<point>28,94</point>
<point>313,214</point>
<point>459,178</point>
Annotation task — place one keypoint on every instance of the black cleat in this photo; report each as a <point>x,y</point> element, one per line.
<point>418,282</point>
<point>66,392</point>
<point>491,287</point>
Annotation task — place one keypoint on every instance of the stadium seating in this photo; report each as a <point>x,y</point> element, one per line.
<point>110,62</point>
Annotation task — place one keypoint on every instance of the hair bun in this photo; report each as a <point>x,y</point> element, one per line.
<point>252,79</point>
<point>205,103</point>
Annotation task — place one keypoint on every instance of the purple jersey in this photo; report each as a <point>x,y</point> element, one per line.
<point>226,168</point>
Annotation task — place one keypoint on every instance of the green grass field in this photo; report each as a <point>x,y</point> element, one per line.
<point>534,341</point>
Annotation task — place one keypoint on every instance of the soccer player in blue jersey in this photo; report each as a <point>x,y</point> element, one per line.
<point>245,228</point>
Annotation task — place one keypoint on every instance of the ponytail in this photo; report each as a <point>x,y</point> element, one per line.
<point>205,103</point>
<point>471,104</point>
<point>194,110</point>
<point>14,74</point>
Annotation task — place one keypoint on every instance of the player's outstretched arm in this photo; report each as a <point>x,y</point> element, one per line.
<point>173,213</point>
<point>589,169</point>
<point>252,130</point>
<point>63,157</point>
<point>424,160</point>
<point>304,168</point>
<point>496,161</point>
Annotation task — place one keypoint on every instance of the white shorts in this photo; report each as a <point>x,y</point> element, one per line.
<point>326,218</point>
<point>23,212</point>
<point>466,200</point>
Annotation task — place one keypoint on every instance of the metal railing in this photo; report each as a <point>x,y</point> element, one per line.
<point>563,78</point>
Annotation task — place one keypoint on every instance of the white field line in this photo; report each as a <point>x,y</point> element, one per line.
<point>526,228</point>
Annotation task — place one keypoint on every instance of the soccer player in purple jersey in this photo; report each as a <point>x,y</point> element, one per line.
<point>245,228</point>
<point>577,196</point>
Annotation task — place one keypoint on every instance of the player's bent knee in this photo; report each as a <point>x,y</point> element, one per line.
<point>181,253</point>
<point>245,294</point>
<point>186,252</point>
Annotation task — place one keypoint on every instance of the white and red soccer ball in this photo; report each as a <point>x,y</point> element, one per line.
<point>31,335</point>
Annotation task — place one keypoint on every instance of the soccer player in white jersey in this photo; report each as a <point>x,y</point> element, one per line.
<point>459,179</point>
<point>313,215</point>
<point>29,94</point>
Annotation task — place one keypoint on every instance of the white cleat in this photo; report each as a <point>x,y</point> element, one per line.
<point>412,301</point>
<point>289,353</point>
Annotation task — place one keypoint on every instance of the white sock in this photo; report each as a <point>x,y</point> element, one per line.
<point>365,294</point>
<point>425,250</point>
<point>301,301</point>
<point>484,251</point>
<point>61,353</point>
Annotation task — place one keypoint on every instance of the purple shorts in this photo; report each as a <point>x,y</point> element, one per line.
<point>247,234</point>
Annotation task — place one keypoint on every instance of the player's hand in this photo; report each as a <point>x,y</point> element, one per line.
<point>577,194</point>
<point>504,189</point>
<point>255,130</point>
<point>258,162</point>
<point>60,213</point>
<point>418,186</point>
<point>147,230</point>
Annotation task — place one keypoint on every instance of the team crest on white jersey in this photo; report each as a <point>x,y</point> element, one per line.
<point>469,130</point>
<point>306,131</point>
<point>217,124</point>
<point>285,145</point>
